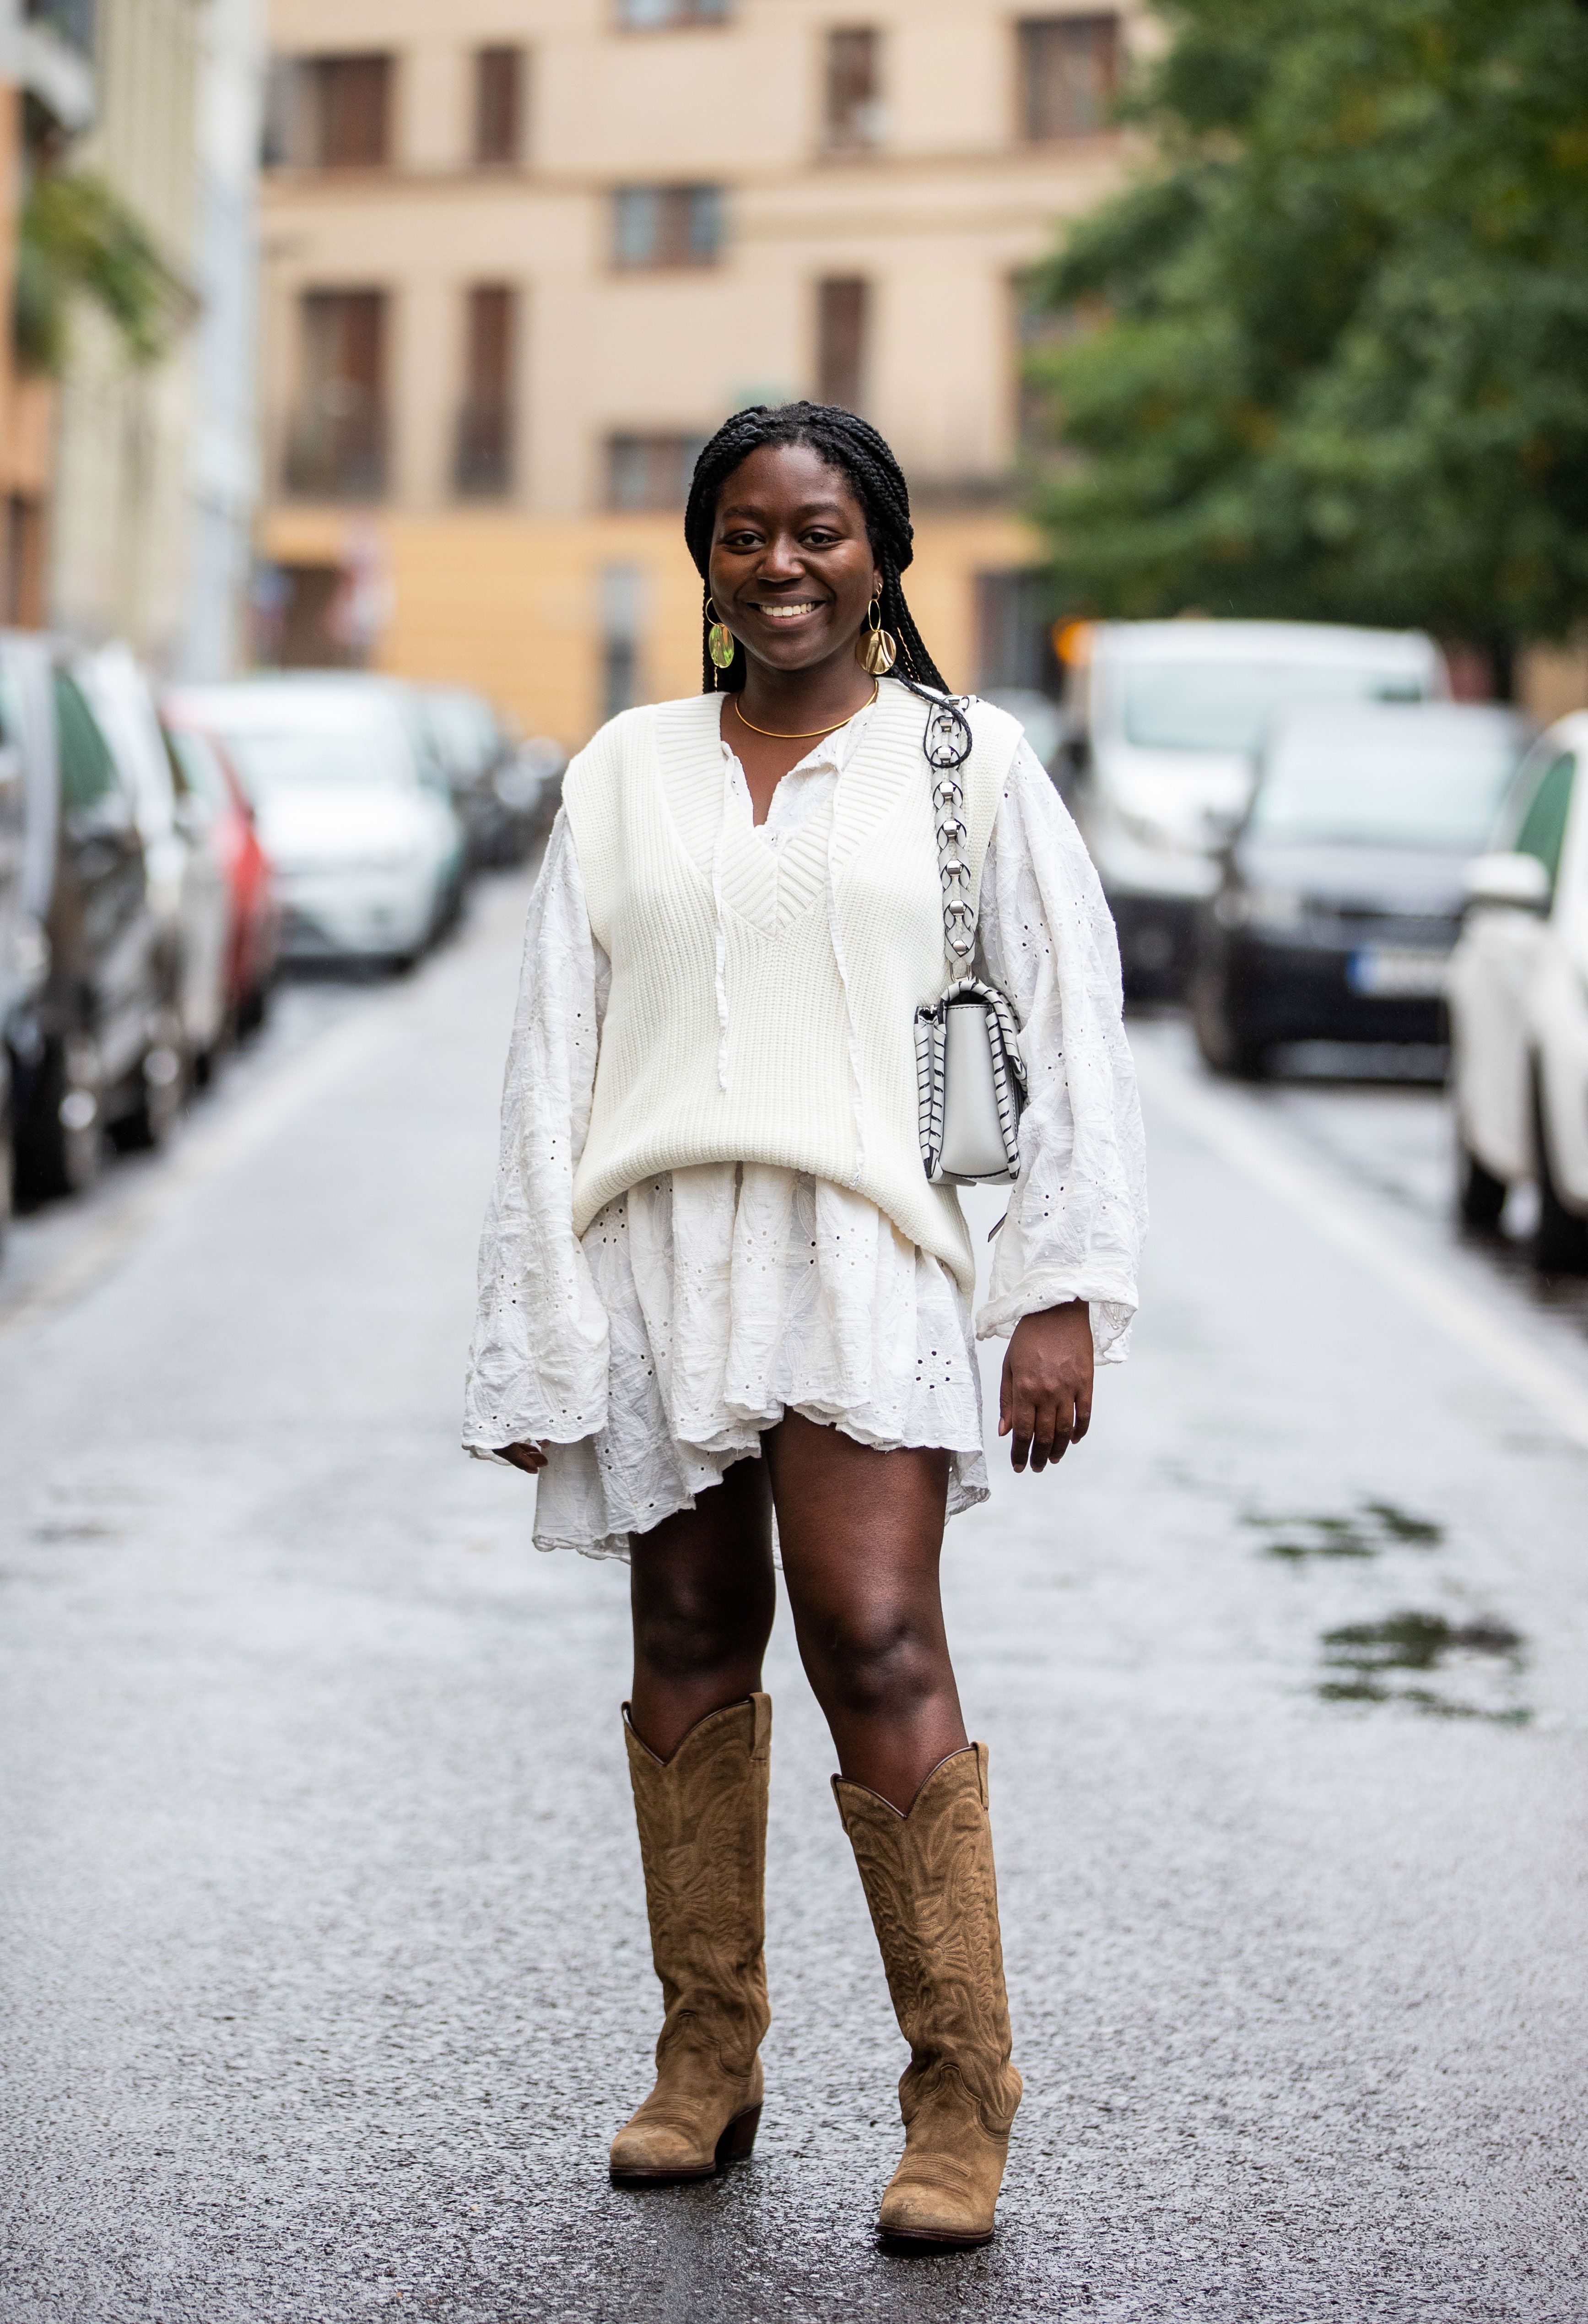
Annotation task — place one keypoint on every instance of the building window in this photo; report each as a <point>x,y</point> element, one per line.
<point>842,313</point>
<point>345,113</point>
<point>651,472</point>
<point>667,225</point>
<point>483,463</point>
<point>498,107</point>
<point>328,113</point>
<point>651,16</point>
<point>854,91</point>
<point>1069,75</point>
<point>21,562</point>
<point>336,444</point>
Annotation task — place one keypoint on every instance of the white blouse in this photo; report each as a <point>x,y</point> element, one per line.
<point>700,1306</point>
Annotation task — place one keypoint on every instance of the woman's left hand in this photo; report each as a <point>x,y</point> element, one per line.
<point>528,1457</point>
<point>1045,1400</point>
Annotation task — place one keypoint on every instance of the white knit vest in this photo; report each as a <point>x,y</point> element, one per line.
<point>777,1064</point>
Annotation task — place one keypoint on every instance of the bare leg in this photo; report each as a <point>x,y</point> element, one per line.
<point>702,1593</point>
<point>861,1533</point>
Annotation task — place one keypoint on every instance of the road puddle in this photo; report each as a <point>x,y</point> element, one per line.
<point>1478,1664</point>
<point>1372,1528</point>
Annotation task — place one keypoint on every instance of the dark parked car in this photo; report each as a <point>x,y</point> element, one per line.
<point>92,1041</point>
<point>501,786</point>
<point>1340,894</point>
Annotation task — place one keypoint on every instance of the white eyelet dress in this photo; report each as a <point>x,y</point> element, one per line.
<point>700,1306</point>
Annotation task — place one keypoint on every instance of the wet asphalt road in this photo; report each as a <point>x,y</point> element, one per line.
<point>322,1943</point>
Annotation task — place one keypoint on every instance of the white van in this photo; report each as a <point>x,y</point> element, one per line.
<point>1168,717</point>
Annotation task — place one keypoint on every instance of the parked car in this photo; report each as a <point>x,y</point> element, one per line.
<point>1518,1004</point>
<point>1167,717</point>
<point>91,1037</point>
<point>188,889</point>
<point>1339,899</point>
<point>351,808</point>
<point>497,782</point>
<point>253,933</point>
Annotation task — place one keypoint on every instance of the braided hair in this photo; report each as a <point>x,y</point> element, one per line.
<point>851,446</point>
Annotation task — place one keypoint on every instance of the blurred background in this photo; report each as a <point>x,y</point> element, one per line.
<point>355,356</point>
<point>352,337</point>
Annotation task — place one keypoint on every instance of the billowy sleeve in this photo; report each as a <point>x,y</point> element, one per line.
<point>1077,1212</point>
<point>537,1369</point>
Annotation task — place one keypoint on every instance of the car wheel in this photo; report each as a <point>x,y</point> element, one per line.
<point>1227,1048</point>
<point>7,1173</point>
<point>253,1010</point>
<point>1479,1196</point>
<point>1560,1239</point>
<point>163,1084</point>
<point>60,1146</point>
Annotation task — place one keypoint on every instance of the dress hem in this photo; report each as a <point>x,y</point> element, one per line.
<point>619,1546</point>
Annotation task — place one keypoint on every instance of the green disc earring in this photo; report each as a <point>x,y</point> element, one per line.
<point>720,642</point>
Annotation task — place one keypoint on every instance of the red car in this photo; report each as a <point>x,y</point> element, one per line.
<point>253,941</point>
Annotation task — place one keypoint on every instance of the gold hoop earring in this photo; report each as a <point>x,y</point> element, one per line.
<point>875,648</point>
<point>720,642</point>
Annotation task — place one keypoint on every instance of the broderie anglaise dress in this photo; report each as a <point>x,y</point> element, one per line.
<point>698,1307</point>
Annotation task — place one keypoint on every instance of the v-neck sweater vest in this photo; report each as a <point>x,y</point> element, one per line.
<point>778,1064</point>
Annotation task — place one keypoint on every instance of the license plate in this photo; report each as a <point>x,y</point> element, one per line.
<point>1401,975</point>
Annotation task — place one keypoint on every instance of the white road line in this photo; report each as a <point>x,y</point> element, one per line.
<point>207,1151</point>
<point>1467,1320</point>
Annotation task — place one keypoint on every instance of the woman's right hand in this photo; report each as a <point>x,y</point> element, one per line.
<point>528,1457</point>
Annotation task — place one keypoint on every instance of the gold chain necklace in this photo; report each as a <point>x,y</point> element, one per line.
<point>807,733</point>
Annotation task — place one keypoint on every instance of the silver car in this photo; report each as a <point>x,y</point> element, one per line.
<point>353,811</point>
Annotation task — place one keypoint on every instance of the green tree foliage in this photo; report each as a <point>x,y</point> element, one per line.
<point>1332,354</point>
<point>79,239</point>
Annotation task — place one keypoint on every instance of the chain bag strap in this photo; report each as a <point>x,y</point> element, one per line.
<point>970,1074</point>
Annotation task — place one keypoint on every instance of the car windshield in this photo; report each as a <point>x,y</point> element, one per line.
<point>1218,706</point>
<point>1344,786</point>
<point>289,758</point>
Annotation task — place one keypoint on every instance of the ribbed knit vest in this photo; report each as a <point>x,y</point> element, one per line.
<point>780,1064</point>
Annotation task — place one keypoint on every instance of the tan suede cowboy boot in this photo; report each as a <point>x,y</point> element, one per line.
<point>703,1839</point>
<point>929,1881</point>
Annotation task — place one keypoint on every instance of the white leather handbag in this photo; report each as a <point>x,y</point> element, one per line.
<point>970,1074</point>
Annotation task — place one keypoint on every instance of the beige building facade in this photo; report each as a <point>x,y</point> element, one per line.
<point>46,95</point>
<point>119,546</point>
<point>521,257</point>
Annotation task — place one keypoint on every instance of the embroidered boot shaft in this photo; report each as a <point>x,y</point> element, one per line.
<point>929,1880</point>
<point>701,1816</point>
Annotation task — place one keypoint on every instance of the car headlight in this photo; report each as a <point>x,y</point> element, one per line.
<point>30,950</point>
<point>1259,908</point>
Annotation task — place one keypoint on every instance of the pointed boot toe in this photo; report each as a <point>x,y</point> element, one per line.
<point>683,2132</point>
<point>929,1880</point>
<point>945,2189</point>
<point>701,1817</point>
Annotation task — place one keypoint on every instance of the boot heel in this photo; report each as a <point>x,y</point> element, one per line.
<point>738,2138</point>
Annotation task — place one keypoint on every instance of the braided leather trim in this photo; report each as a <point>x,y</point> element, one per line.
<point>1009,1081</point>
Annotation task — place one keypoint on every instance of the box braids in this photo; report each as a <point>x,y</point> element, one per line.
<point>851,446</point>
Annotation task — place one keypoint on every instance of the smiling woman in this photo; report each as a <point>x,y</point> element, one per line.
<point>717,1282</point>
